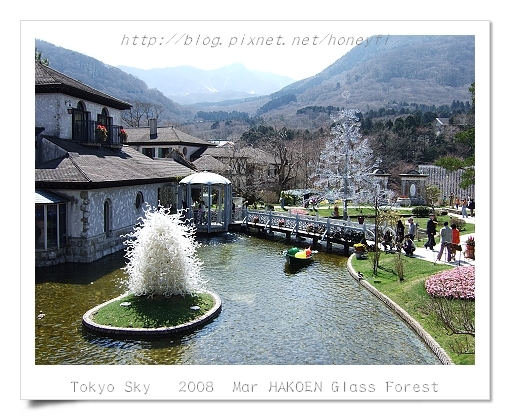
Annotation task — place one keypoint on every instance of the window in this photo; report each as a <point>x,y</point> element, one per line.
<point>148,152</point>
<point>102,118</point>
<point>139,199</point>
<point>50,226</point>
<point>80,118</point>
<point>107,215</point>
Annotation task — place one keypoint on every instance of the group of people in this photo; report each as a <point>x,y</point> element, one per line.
<point>449,237</point>
<point>467,204</point>
<point>402,241</point>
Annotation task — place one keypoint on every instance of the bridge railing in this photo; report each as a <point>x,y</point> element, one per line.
<point>296,223</point>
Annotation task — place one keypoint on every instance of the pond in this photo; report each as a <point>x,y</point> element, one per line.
<point>316,315</point>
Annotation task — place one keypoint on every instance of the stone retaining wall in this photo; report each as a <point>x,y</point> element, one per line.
<point>424,335</point>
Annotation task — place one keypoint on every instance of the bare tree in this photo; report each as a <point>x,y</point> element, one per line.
<point>457,315</point>
<point>141,112</point>
<point>133,117</point>
<point>285,157</point>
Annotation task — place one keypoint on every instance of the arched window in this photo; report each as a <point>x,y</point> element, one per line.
<point>107,215</point>
<point>103,117</point>
<point>80,119</point>
<point>139,199</point>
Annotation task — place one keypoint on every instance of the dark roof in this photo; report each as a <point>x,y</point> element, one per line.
<point>165,136</point>
<point>209,163</point>
<point>253,154</point>
<point>97,167</point>
<point>48,80</point>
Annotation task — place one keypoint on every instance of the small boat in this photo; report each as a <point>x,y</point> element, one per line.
<point>295,256</point>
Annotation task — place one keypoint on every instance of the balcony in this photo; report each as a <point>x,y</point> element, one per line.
<point>85,132</point>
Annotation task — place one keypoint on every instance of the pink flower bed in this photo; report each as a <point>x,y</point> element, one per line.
<point>458,283</point>
<point>297,211</point>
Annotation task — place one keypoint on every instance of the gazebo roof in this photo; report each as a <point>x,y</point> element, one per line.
<point>205,178</point>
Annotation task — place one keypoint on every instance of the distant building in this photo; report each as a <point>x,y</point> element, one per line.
<point>244,166</point>
<point>166,142</point>
<point>441,124</point>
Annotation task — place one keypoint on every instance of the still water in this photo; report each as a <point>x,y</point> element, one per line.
<point>317,315</point>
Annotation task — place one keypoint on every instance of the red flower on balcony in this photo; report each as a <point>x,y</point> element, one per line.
<point>123,135</point>
<point>101,133</point>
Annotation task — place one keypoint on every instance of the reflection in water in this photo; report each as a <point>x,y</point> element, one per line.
<point>271,314</point>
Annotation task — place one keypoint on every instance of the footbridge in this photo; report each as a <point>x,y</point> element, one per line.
<point>319,229</point>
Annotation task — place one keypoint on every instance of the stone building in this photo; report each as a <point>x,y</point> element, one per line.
<point>90,187</point>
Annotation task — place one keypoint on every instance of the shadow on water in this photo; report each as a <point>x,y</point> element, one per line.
<point>291,269</point>
<point>80,273</point>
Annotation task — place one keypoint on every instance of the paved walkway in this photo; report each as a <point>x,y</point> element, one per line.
<point>422,252</point>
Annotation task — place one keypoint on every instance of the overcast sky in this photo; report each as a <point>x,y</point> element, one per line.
<point>297,49</point>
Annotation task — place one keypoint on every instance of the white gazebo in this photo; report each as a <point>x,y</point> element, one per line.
<point>215,191</point>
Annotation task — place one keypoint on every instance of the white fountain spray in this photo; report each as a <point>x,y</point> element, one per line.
<point>162,256</point>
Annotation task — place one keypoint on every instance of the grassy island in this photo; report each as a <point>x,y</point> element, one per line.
<point>154,312</point>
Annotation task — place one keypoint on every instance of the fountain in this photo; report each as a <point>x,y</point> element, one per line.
<point>162,266</point>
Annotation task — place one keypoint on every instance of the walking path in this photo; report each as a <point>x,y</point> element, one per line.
<point>431,255</point>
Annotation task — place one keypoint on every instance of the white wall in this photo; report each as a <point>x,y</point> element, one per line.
<point>51,113</point>
<point>86,215</point>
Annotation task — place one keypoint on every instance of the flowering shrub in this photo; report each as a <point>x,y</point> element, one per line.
<point>123,135</point>
<point>458,283</point>
<point>281,222</point>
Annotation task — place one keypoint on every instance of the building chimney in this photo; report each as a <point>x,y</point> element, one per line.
<point>153,124</point>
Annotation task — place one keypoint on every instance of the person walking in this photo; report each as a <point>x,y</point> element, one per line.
<point>282,200</point>
<point>412,229</point>
<point>457,202</point>
<point>455,241</point>
<point>471,207</point>
<point>431,233</point>
<point>464,208</point>
<point>446,239</point>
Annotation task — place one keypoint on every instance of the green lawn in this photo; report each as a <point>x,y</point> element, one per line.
<point>155,312</point>
<point>411,296</point>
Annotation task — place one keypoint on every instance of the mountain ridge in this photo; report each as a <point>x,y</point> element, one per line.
<point>188,85</point>
<point>430,70</point>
